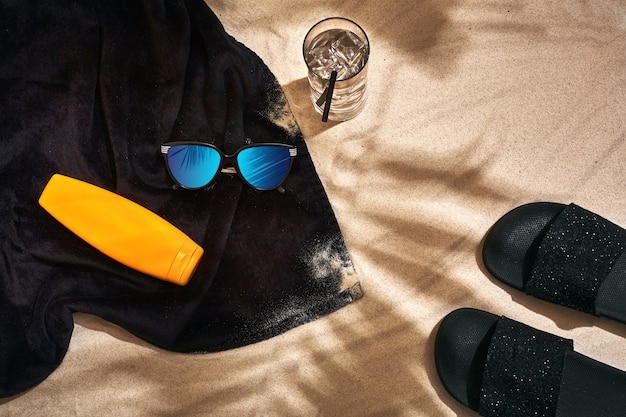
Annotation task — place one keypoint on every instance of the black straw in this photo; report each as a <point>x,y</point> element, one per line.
<point>322,98</point>
<point>329,95</point>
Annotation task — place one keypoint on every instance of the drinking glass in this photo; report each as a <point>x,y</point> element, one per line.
<point>336,51</point>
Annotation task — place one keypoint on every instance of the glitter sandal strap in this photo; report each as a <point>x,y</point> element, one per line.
<point>575,257</point>
<point>522,372</point>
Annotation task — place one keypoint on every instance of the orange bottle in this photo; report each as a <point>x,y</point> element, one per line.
<point>122,229</point>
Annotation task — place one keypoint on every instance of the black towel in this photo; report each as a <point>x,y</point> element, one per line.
<point>90,89</point>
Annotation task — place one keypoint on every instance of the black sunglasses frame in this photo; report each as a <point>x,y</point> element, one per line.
<point>228,163</point>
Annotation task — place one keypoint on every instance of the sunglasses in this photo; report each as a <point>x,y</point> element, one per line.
<point>194,165</point>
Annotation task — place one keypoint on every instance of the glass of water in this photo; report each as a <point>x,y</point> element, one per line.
<point>336,51</point>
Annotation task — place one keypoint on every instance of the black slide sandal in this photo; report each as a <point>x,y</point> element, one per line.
<point>503,368</point>
<point>563,254</point>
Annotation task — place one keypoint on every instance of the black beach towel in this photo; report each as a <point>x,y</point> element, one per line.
<point>90,89</point>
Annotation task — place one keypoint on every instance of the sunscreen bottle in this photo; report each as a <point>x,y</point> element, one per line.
<point>122,229</point>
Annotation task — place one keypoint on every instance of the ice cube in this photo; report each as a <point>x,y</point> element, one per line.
<point>337,50</point>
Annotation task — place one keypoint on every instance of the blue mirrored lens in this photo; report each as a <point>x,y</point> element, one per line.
<point>193,166</point>
<point>264,167</point>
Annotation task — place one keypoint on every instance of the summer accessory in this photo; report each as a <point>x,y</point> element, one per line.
<point>563,254</point>
<point>122,229</point>
<point>503,368</point>
<point>194,165</point>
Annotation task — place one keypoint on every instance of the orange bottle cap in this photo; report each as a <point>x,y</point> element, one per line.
<point>185,263</point>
